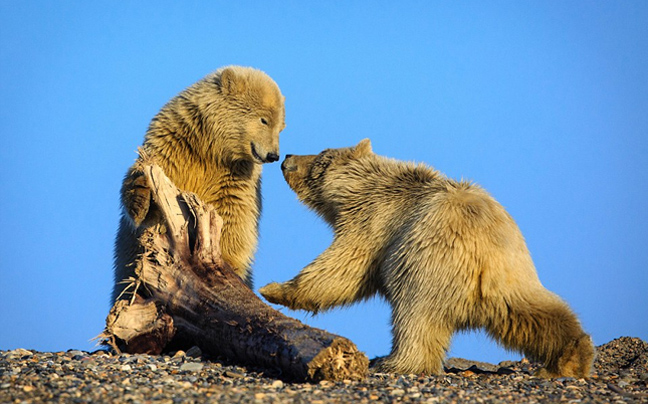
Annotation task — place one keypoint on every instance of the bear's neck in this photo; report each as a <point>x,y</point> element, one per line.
<point>211,180</point>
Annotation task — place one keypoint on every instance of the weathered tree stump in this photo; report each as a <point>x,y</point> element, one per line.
<point>185,294</point>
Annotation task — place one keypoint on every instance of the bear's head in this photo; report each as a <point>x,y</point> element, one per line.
<point>320,181</point>
<point>233,114</point>
<point>253,112</point>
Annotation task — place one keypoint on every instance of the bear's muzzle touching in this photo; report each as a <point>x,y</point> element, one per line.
<point>263,156</point>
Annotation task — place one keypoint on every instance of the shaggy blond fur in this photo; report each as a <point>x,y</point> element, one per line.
<point>211,140</point>
<point>443,253</point>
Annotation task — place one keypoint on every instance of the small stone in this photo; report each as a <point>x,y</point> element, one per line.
<point>397,392</point>
<point>233,374</point>
<point>259,396</point>
<point>503,370</point>
<point>126,368</point>
<point>152,367</point>
<point>277,384</point>
<point>179,354</point>
<point>5,386</point>
<point>192,366</point>
<point>28,388</point>
<point>194,352</point>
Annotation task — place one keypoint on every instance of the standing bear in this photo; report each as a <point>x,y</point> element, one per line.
<point>211,139</point>
<point>444,254</point>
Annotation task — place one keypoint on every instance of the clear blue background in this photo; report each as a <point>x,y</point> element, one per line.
<point>544,103</point>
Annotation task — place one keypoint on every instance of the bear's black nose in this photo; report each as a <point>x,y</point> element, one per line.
<point>285,166</point>
<point>272,157</point>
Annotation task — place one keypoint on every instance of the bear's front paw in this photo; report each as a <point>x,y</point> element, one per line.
<point>136,197</point>
<point>274,293</point>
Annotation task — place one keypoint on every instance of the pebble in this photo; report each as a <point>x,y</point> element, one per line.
<point>234,374</point>
<point>82,377</point>
<point>397,392</point>
<point>194,352</point>
<point>192,367</point>
<point>72,353</point>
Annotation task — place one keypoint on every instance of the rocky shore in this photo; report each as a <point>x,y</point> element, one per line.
<point>621,375</point>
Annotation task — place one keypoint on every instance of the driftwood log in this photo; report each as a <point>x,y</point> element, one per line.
<point>184,294</point>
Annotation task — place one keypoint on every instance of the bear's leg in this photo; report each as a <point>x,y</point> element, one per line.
<point>542,326</point>
<point>136,195</point>
<point>127,250</point>
<point>340,275</point>
<point>420,337</point>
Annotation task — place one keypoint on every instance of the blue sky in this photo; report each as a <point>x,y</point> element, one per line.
<point>545,104</point>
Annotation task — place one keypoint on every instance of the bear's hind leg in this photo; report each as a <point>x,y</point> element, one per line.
<point>542,326</point>
<point>419,341</point>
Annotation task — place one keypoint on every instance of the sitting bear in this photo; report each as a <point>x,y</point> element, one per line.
<point>443,253</point>
<point>211,139</point>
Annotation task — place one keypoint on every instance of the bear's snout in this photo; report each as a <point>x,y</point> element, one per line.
<point>272,157</point>
<point>260,154</point>
<point>287,165</point>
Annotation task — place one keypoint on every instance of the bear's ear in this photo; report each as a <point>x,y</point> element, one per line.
<point>231,83</point>
<point>363,148</point>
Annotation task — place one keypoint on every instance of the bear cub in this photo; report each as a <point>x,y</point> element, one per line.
<point>211,139</point>
<point>443,253</point>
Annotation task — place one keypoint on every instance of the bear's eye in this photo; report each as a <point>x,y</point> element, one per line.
<point>319,166</point>
<point>263,121</point>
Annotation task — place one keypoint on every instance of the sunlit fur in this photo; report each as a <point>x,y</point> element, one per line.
<point>443,253</point>
<point>211,140</point>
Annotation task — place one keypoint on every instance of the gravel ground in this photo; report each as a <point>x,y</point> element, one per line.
<point>621,375</point>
